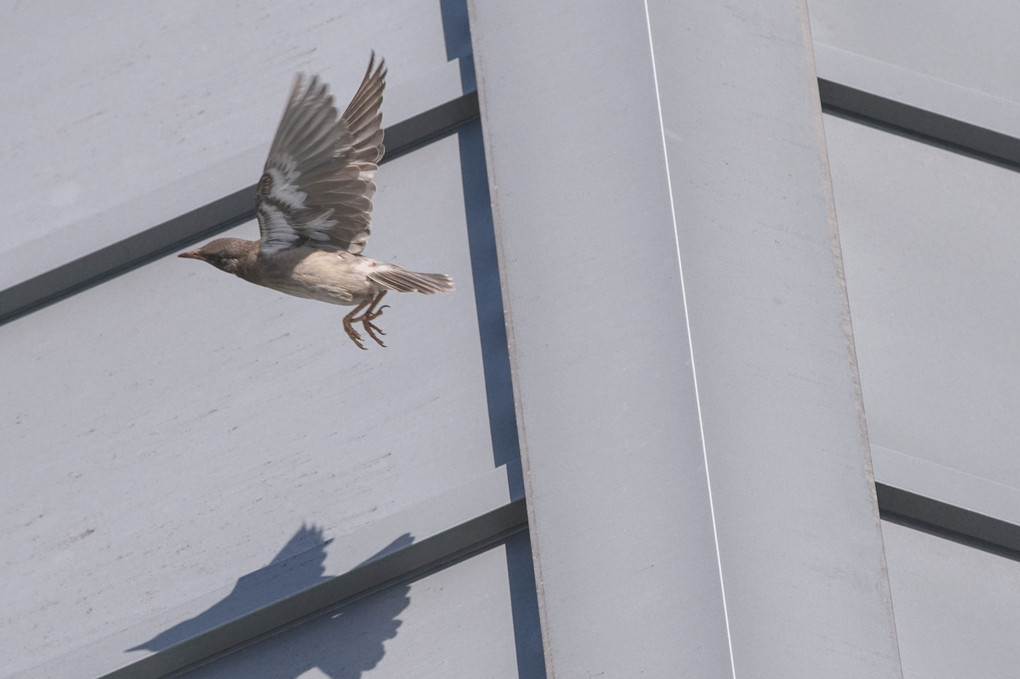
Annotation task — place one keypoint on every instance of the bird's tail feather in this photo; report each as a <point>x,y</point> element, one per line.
<point>396,278</point>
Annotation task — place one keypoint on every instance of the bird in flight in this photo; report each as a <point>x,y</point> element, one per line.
<point>314,207</point>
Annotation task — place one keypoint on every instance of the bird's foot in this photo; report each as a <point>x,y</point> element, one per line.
<point>353,334</point>
<point>371,328</point>
<point>372,315</point>
<point>367,316</point>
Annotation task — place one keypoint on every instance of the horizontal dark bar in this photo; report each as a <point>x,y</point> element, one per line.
<point>919,124</point>
<point>206,221</point>
<point>404,565</point>
<point>428,126</point>
<point>949,521</point>
<point>896,504</point>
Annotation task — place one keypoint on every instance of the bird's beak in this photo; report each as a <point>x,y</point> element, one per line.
<point>191,254</point>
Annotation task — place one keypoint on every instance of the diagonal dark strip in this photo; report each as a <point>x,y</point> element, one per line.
<point>918,124</point>
<point>896,504</point>
<point>208,220</point>
<point>948,521</point>
<point>404,565</point>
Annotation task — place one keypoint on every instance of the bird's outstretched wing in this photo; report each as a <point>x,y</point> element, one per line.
<point>317,186</point>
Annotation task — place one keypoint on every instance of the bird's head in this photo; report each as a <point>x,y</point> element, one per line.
<point>227,254</point>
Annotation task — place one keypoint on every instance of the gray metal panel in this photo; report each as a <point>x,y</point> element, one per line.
<point>607,402</point>
<point>316,570</point>
<point>454,623</point>
<point>957,608</point>
<point>202,223</point>
<point>621,524</point>
<point>928,94</point>
<point>972,46</point>
<point>124,115</point>
<point>786,443</point>
<point>176,423</point>
<point>877,84</point>
<point>986,510</point>
<point>931,245</point>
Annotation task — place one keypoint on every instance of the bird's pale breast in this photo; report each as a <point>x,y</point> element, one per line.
<point>336,277</point>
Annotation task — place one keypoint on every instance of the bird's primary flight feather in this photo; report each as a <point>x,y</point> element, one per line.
<point>314,208</point>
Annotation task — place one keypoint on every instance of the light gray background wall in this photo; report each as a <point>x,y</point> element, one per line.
<point>192,463</point>
<point>180,448</point>
<point>929,244</point>
<point>704,292</point>
<point>162,464</point>
<point>123,116</point>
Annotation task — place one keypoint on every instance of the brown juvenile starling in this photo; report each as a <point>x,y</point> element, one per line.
<point>314,206</point>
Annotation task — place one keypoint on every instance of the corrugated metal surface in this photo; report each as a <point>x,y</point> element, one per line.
<point>454,623</point>
<point>622,525</point>
<point>197,469</point>
<point>930,244</point>
<point>122,115</point>
<point>176,423</point>
<point>957,608</point>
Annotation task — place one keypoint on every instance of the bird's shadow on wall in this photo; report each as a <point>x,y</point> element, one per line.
<point>342,644</point>
<point>350,641</point>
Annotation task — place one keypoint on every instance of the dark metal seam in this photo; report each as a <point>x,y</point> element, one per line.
<point>918,124</point>
<point>948,521</point>
<point>410,563</point>
<point>896,504</point>
<point>204,222</point>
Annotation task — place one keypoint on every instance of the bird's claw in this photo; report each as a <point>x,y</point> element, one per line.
<point>353,334</point>
<point>370,327</point>
<point>366,319</point>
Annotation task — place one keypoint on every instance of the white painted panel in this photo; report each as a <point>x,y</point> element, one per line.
<point>952,100</point>
<point>957,608</point>
<point>620,516</point>
<point>454,623</point>
<point>175,424</point>
<point>692,131</point>
<point>972,45</point>
<point>300,579</point>
<point>930,246</point>
<point>119,115</point>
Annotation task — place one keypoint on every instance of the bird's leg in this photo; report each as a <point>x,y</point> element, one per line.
<point>373,312</point>
<point>350,318</point>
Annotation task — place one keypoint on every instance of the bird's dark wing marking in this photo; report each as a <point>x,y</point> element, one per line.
<point>318,185</point>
